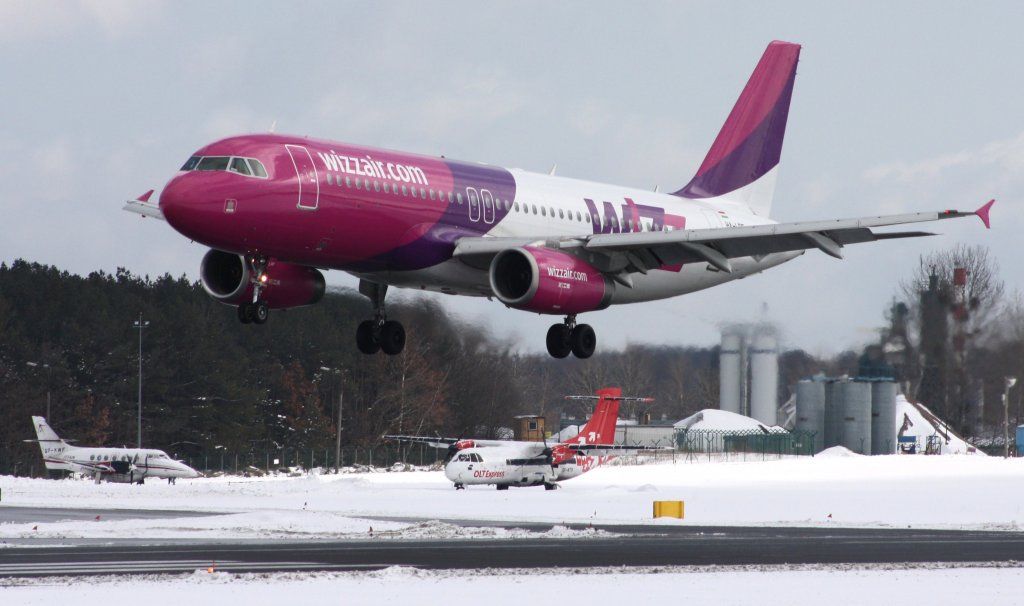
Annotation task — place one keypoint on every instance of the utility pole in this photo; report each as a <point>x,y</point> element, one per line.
<point>49,374</point>
<point>1010,382</point>
<point>140,325</point>
<point>337,433</point>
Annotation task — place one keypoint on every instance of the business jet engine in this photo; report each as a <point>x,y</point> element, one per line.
<point>233,279</point>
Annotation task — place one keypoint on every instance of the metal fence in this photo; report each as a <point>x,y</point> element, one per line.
<point>742,445</point>
<point>678,446</point>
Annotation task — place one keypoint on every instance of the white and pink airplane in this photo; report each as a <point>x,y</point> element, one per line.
<point>277,210</point>
<point>505,463</point>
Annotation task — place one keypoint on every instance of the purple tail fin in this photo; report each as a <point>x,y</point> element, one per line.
<point>750,143</point>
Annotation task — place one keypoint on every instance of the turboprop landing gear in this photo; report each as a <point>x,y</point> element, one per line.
<point>459,486</point>
<point>255,312</point>
<point>379,334</point>
<point>570,337</point>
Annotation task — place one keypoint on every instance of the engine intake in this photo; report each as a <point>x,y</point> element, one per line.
<point>227,278</point>
<point>548,281</point>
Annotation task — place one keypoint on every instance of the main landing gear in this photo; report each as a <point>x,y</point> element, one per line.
<point>379,334</point>
<point>570,337</point>
<point>256,311</point>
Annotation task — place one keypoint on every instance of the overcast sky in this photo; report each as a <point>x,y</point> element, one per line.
<point>898,107</point>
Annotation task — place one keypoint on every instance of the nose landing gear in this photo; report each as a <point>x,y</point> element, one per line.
<point>255,312</point>
<point>570,337</point>
<point>379,334</point>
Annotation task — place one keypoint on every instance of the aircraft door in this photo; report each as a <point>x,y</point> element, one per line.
<point>305,170</point>
<point>488,204</point>
<point>474,204</point>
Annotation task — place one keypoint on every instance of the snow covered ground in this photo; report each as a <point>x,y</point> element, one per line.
<point>834,488</point>
<point>847,585</point>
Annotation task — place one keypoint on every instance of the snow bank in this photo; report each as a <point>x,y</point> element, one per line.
<point>713,419</point>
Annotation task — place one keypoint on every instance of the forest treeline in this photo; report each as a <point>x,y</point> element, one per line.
<point>213,384</point>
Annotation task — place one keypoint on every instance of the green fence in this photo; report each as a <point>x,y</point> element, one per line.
<point>743,445</point>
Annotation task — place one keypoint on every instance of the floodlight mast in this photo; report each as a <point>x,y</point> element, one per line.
<point>140,325</point>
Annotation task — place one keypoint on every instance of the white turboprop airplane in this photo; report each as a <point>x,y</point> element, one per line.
<point>127,465</point>
<point>505,463</point>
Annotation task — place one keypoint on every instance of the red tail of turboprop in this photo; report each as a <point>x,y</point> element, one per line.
<point>600,429</point>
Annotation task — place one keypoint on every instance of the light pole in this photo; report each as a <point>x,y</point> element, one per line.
<point>140,325</point>
<point>49,372</point>
<point>337,431</point>
<point>1010,382</point>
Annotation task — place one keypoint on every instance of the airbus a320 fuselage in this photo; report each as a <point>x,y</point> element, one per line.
<point>277,210</point>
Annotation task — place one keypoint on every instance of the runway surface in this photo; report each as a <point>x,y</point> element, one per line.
<point>39,515</point>
<point>628,546</point>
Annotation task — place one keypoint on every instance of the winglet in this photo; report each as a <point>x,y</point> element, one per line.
<point>983,213</point>
<point>145,197</point>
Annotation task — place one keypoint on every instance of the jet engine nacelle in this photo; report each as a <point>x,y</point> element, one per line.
<point>548,281</point>
<point>228,278</point>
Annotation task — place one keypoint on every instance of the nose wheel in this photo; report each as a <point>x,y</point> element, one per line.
<point>569,337</point>
<point>253,313</point>
<point>379,334</point>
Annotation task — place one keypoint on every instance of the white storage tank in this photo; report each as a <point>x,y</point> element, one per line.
<point>764,378</point>
<point>731,372</point>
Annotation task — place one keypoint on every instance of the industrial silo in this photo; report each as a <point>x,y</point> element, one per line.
<point>834,412</point>
<point>764,378</point>
<point>883,417</point>
<point>856,420</point>
<point>810,411</point>
<point>731,372</point>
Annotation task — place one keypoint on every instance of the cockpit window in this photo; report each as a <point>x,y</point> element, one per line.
<point>257,168</point>
<point>213,163</point>
<point>240,166</point>
<point>250,167</point>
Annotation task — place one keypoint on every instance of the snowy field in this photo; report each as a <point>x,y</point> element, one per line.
<point>834,488</point>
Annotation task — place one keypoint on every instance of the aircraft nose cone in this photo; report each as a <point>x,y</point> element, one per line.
<point>174,201</point>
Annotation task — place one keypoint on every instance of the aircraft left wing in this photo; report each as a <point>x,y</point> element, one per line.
<point>625,253</point>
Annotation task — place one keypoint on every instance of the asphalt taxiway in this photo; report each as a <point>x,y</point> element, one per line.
<point>647,545</point>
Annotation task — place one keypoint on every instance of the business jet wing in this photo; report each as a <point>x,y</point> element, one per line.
<point>643,251</point>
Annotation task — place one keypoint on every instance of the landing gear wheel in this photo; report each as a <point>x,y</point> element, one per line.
<point>502,486</point>
<point>459,486</point>
<point>392,338</point>
<point>246,313</point>
<point>366,341</point>
<point>550,486</point>
<point>260,312</point>
<point>558,341</point>
<point>583,341</point>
